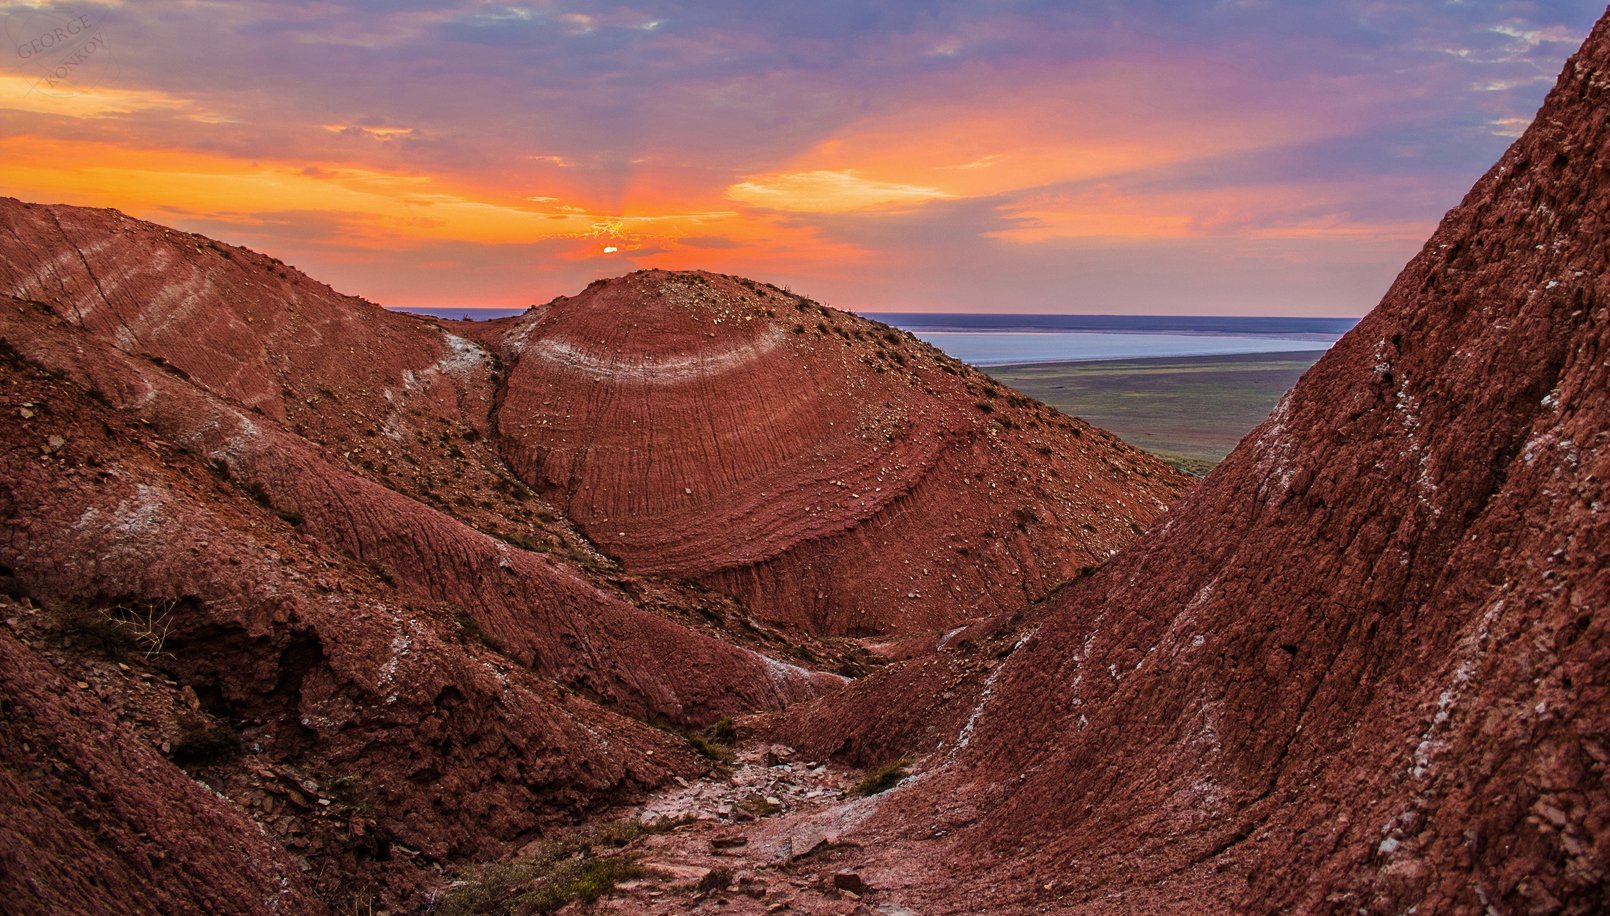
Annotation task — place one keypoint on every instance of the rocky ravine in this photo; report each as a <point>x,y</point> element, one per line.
<point>274,532</point>
<point>1363,666</point>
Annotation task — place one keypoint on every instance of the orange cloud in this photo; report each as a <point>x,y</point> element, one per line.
<point>1009,130</point>
<point>824,191</point>
<point>1259,211</point>
<point>380,210</point>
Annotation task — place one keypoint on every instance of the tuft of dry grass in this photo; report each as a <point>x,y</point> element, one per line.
<point>575,866</point>
<point>883,778</point>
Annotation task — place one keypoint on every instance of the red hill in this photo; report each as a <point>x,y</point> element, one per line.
<point>828,471</point>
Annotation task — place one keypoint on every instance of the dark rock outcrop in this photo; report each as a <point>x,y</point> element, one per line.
<point>92,818</point>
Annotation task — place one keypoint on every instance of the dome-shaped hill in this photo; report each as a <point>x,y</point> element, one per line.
<point>830,471</point>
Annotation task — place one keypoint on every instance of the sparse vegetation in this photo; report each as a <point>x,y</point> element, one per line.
<point>94,630</point>
<point>520,541</point>
<point>120,629</point>
<point>716,742</point>
<point>759,806</point>
<point>724,732</point>
<point>541,884</point>
<point>577,866</point>
<point>469,629</point>
<point>383,572</point>
<point>202,743</point>
<point>711,750</point>
<point>716,879</point>
<point>883,778</point>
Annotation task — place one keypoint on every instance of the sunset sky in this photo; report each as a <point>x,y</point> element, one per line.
<point>1247,157</point>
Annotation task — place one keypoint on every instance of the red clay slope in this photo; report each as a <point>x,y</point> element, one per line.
<point>1365,666</point>
<point>161,452</point>
<point>829,471</point>
<point>245,343</point>
<point>62,758</point>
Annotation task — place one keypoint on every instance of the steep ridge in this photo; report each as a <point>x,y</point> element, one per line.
<point>443,684</point>
<point>447,745</point>
<point>1364,666</point>
<point>223,374</point>
<point>61,754</point>
<point>830,472</point>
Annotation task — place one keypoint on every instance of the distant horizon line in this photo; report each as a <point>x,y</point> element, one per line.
<point>432,309</point>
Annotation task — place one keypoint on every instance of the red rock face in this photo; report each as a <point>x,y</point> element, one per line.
<point>830,472</point>
<point>1365,665</point>
<point>108,821</point>
<point>238,374</point>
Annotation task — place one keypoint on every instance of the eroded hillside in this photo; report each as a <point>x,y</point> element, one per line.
<point>292,545</point>
<point>1364,666</point>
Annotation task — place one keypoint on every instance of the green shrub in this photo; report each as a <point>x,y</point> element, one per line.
<point>538,885</point>
<point>883,778</point>
<point>724,732</point>
<point>709,749</point>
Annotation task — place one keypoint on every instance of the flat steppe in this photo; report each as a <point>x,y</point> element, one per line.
<point>1188,410</point>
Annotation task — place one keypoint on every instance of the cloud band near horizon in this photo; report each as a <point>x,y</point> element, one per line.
<point>1210,158</point>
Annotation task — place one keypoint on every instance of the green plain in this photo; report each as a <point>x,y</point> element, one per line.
<point>1190,411</point>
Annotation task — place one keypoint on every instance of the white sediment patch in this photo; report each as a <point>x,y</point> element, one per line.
<point>1469,653</point>
<point>1273,449</point>
<point>401,642</point>
<point>965,736</point>
<point>785,675</point>
<point>140,514</point>
<point>463,357</point>
<point>645,369</point>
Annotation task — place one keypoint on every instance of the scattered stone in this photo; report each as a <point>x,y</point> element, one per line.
<point>851,882</point>
<point>716,879</point>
